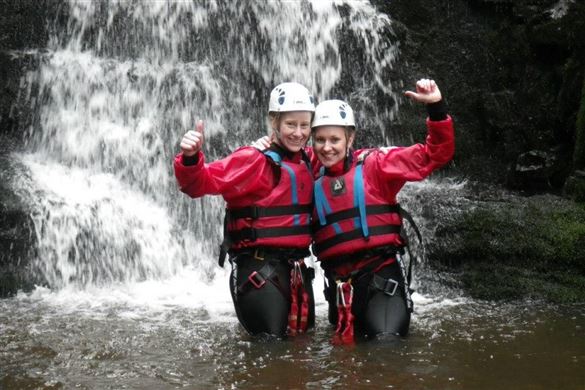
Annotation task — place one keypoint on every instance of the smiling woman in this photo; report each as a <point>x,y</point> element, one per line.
<point>357,230</point>
<point>267,223</point>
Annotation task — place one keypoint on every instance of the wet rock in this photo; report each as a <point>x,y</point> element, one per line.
<point>510,247</point>
<point>537,171</point>
<point>17,239</point>
<point>575,186</point>
<point>511,72</point>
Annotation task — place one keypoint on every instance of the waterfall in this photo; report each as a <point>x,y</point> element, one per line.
<point>121,82</point>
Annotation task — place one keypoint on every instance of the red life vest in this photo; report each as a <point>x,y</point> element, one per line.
<point>351,215</point>
<point>281,218</point>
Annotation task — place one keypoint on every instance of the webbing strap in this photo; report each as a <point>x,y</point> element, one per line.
<point>298,317</point>
<point>255,212</point>
<point>257,278</point>
<point>344,332</point>
<point>275,156</point>
<point>359,200</point>
<point>355,212</point>
<point>252,234</point>
<point>294,190</point>
<point>409,303</point>
<point>354,234</point>
<point>387,286</point>
<point>322,206</point>
<point>406,215</point>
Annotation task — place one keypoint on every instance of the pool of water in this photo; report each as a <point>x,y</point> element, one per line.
<point>181,333</point>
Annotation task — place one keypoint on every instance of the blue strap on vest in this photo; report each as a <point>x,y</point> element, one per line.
<point>359,201</point>
<point>277,158</point>
<point>360,198</point>
<point>322,205</point>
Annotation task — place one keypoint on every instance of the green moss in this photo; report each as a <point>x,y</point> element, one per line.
<point>528,247</point>
<point>500,282</point>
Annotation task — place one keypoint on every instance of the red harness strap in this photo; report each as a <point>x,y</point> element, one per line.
<point>344,331</point>
<point>299,307</point>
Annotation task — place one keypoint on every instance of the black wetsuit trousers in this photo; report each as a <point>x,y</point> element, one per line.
<point>376,312</point>
<point>265,309</point>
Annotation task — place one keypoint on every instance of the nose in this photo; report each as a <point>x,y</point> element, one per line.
<point>298,131</point>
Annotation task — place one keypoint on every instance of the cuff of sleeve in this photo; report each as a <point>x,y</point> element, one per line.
<point>437,111</point>
<point>191,160</point>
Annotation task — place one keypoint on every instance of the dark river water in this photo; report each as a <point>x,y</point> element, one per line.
<point>182,334</point>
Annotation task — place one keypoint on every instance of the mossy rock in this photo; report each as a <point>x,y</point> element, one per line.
<point>515,248</point>
<point>575,188</point>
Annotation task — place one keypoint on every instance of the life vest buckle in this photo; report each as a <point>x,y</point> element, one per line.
<point>256,279</point>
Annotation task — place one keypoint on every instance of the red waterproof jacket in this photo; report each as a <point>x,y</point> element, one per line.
<point>268,203</point>
<point>384,173</point>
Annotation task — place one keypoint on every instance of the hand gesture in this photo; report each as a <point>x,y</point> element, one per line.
<point>427,92</point>
<point>261,143</point>
<point>193,140</point>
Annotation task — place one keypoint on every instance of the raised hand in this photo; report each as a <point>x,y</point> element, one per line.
<point>261,143</point>
<point>427,92</point>
<point>193,140</point>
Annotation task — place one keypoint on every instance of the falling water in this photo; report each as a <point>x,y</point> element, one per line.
<point>120,84</point>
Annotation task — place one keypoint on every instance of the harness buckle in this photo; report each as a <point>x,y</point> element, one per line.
<point>390,284</point>
<point>259,254</point>
<point>256,279</point>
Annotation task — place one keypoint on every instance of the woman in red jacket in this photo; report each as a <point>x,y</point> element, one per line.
<point>267,224</point>
<point>357,220</point>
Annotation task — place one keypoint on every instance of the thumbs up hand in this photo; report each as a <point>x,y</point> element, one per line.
<point>193,140</point>
<point>427,92</point>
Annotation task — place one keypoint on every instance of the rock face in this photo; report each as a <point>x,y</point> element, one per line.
<point>23,30</point>
<point>512,73</point>
<point>17,241</point>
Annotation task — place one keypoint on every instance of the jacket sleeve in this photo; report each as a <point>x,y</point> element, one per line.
<point>244,173</point>
<point>418,161</point>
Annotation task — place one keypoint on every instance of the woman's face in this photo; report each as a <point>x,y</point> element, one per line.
<point>295,129</point>
<point>330,144</point>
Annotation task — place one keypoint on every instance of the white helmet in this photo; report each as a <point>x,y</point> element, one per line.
<point>287,97</point>
<point>333,113</point>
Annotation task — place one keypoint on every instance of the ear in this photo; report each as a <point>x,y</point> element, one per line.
<point>274,123</point>
<point>350,139</point>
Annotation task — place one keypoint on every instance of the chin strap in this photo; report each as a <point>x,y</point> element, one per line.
<point>299,309</point>
<point>344,331</point>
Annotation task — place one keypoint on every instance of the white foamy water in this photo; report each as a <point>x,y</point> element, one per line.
<point>117,89</point>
